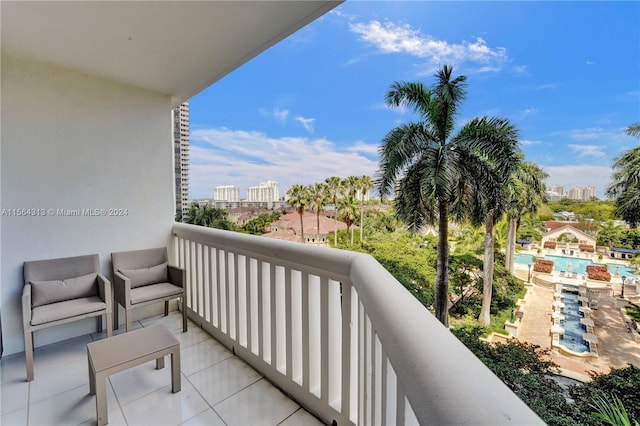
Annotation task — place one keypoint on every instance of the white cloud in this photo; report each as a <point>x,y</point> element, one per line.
<point>571,176</point>
<point>390,37</point>
<point>223,156</point>
<point>526,113</point>
<point>364,148</point>
<point>277,113</point>
<point>547,86</point>
<point>595,151</point>
<point>529,143</point>
<point>307,123</point>
<point>590,63</point>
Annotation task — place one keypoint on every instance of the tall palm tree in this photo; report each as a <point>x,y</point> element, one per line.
<point>298,198</point>
<point>350,185</point>
<point>434,172</point>
<point>366,183</point>
<point>333,187</point>
<point>318,198</point>
<point>626,181</point>
<point>490,201</point>
<point>525,192</point>
<point>348,212</point>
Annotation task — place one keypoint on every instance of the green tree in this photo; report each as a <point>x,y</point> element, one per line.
<point>609,234</point>
<point>208,216</point>
<point>365,184</point>
<point>525,193</point>
<point>318,198</point>
<point>626,186</point>
<point>348,212</point>
<point>333,187</point>
<point>434,172</point>
<point>633,130</point>
<point>298,198</point>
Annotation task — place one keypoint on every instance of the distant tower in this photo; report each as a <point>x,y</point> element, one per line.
<point>227,193</point>
<point>181,156</point>
<point>267,191</point>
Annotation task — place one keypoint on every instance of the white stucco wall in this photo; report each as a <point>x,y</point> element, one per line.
<point>73,141</point>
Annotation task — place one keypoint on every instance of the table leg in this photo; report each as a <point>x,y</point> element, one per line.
<point>175,370</point>
<point>160,363</point>
<point>101,399</point>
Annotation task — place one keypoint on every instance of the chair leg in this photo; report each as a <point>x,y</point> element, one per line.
<point>127,318</point>
<point>116,323</point>
<point>99,324</point>
<point>166,308</point>
<point>184,316</point>
<point>109,322</point>
<point>28,354</point>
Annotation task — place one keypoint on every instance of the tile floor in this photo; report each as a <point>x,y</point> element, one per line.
<point>217,388</point>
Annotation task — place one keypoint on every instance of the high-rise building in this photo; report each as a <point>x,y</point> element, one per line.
<point>558,189</point>
<point>582,193</point>
<point>266,191</point>
<point>181,156</point>
<point>227,193</point>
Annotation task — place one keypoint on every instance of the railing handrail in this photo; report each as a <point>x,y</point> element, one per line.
<point>443,381</point>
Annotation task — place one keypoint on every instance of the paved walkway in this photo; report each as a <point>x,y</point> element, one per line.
<point>616,347</point>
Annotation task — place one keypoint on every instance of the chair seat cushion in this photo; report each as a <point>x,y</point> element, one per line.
<point>153,292</point>
<point>145,276</point>
<point>67,309</point>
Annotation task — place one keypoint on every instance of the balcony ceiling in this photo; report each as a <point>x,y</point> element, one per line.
<point>173,47</point>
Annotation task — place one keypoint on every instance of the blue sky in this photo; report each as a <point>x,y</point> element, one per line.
<point>567,74</point>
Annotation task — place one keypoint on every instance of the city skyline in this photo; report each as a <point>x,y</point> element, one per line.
<point>313,105</point>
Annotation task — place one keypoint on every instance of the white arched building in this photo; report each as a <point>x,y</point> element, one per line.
<point>583,239</point>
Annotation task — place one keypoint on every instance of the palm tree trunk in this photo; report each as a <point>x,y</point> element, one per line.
<point>487,287</point>
<point>361,216</point>
<point>301,228</point>
<point>441,303</point>
<point>511,245</point>
<point>318,224</point>
<point>351,236</point>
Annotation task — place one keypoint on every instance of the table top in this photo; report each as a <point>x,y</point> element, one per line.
<point>116,350</point>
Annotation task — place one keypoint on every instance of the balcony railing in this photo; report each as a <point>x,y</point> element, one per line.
<point>335,331</point>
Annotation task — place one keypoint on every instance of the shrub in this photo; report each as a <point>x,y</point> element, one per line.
<point>598,273</point>
<point>550,244</point>
<point>542,265</point>
<point>587,247</point>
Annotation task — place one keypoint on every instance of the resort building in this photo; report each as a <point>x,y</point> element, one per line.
<point>87,94</point>
<point>181,156</point>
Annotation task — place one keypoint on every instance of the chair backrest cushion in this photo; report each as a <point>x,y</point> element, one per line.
<point>145,276</point>
<point>53,291</point>
<point>61,268</point>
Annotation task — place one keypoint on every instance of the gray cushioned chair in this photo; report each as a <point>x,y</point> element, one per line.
<point>58,291</point>
<point>143,277</point>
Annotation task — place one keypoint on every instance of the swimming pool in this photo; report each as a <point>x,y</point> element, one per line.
<point>561,263</point>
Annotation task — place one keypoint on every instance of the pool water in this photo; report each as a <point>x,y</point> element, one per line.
<point>573,330</point>
<point>561,263</point>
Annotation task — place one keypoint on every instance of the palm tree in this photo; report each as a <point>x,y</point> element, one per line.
<point>350,185</point>
<point>348,212</point>
<point>318,198</point>
<point>434,172</point>
<point>490,202</point>
<point>366,183</point>
<point>298,199</point>
<point>525,192</point>
<point>333,187</point>
<point>633,130</point>
<point>626,181</point>
<point>609,234</point>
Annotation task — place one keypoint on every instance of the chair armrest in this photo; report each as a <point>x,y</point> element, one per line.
<point>26,306</point>
<point>121,289</point>
<point>104,288</point>
<point>177,276</point>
